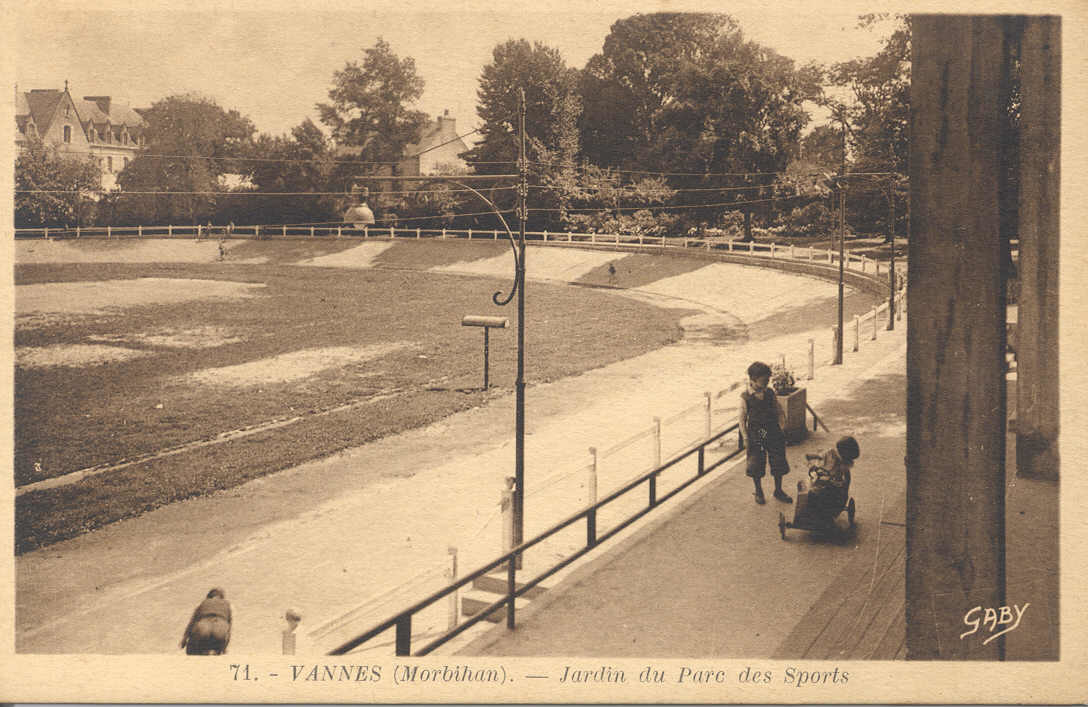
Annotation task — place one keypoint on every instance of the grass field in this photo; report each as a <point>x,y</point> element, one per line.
<point>339,356</point>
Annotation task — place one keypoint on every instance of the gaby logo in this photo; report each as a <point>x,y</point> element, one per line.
<point>991,618</point>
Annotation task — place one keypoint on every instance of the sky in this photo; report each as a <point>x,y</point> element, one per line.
<point>272,60</point>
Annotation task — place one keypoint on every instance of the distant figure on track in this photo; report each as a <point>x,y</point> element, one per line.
<point>760,420</point>
<point>208,632</point>
<point>611,274</point>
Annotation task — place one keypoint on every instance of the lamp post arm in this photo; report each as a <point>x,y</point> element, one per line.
<point>497,297</point>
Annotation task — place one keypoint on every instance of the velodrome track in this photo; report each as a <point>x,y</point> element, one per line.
<point>319,539</point>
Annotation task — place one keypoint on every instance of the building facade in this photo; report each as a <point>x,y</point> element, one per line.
<point>96,127</point>
<point>437,151</point>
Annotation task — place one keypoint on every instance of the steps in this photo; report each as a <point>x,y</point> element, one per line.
<point>488,589</point>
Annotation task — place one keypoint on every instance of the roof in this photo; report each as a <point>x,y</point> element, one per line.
<point>43,106</point>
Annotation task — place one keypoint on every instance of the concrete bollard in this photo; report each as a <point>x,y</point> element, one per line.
<point>657,442</point>
<point>288,637</point>
<point>591,479</point>
<point>506,506</point>
<point>709,426</point>
<point>451,575</point>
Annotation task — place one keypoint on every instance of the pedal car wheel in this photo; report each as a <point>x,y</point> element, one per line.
<point>782,524</point>
<point>850,509</point>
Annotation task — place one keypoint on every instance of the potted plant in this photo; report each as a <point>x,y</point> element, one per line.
<point>793,401</point>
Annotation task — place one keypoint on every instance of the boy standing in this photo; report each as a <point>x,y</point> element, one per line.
<point>760,420</point>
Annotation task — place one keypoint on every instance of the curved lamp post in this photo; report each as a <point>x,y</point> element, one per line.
<point>517,288</point>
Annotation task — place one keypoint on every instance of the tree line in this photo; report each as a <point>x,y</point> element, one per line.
<point>679,123</point>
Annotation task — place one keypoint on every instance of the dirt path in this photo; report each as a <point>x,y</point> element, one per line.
<point>338,533</point>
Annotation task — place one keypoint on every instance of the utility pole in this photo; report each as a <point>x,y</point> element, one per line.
<point>842,235</point>
<point>519,385</point>
<point>891,264</point>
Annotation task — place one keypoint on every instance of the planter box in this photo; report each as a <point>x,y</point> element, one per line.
<point>794,405</point>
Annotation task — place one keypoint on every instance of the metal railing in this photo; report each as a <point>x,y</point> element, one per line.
<point>402,620</point>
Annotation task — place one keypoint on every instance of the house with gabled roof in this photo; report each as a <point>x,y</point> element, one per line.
<point>109,132</point>
<point>437,151</point>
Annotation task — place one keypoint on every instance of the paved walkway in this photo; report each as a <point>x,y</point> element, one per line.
<point>712,578</point>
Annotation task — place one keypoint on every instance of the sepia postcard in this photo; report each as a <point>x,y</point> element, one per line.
<point>554,352</point>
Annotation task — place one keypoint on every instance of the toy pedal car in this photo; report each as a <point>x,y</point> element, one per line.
<point>809,516</point>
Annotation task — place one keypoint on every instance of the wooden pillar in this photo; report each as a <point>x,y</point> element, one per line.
<point>1036,341</point>
<point>955,337</point>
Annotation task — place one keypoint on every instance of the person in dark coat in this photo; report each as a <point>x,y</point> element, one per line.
<point>208,632</point>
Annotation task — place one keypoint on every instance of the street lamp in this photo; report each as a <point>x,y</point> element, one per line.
<point>517,288</point>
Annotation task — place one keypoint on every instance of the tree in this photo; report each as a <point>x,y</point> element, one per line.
<point>686,93</point>
<point>551,106</point>
<point>299,164</point>
<point>370,108</point>
<point>191,143</point>
<point>52,189</point>
<point>879,114</point>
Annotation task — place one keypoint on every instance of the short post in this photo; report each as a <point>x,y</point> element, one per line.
<point>811,253</point>
<point>506,508</point>
<point>857,332</point>
<point>730,244</point>
<point>169,230</point>
<point>874,324</point>
<point>139,231</point>
<point>657,442</point>
<point>811,359</point>
<point>709,426</point>
<point>443,233</point>
<point>311,231</point>
<point>338,231</point>
<point>77,230</point>
<point>495,235</point>
<point>751,246</point>
<point>257,232</point>
<point>392,231</point>
<point>569,237</point>
<point>830,257</point>
<point>451,575</point>
<point>417,233</point>
<point>470,234</point>
<point>366,232</point>
<point>791,251</point>
<point>772,250</point>
<point>284,234</point>
<point>109,232</point>
<point>487,323</point>
<point>287,640</point>
<point>545,235</point>
<point>591,480</point>
<point>899,309</point>
<point>593,237</point>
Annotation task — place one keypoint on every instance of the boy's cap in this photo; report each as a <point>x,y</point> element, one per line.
<point>848,448</point>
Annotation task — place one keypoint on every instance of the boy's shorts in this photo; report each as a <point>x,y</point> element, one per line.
<point>757,458</point>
